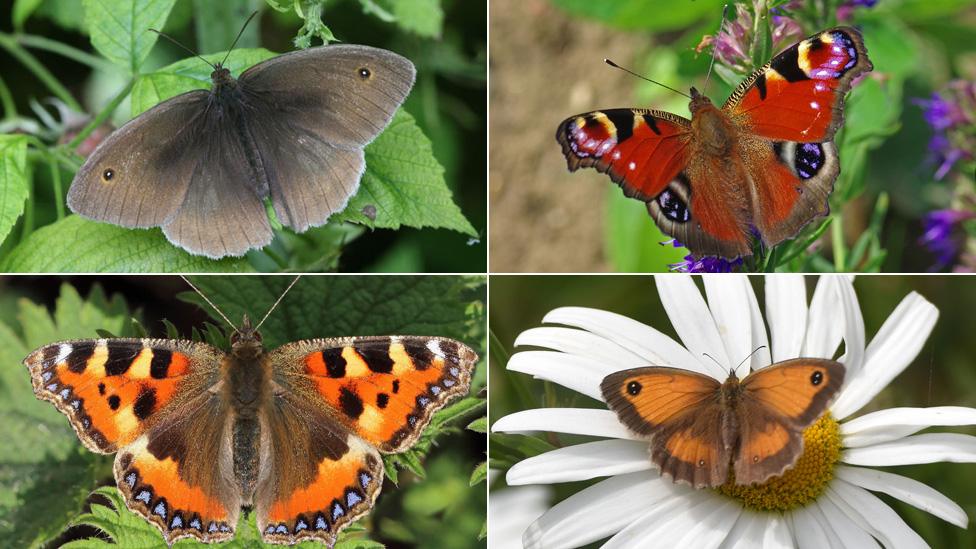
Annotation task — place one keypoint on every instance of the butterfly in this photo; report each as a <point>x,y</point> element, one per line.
<point>296,433</point>
<point>761,166</point>
<point>291,129</point>
<point>701,428</point>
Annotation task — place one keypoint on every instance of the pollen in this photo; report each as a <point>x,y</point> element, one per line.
<point>800,484</point>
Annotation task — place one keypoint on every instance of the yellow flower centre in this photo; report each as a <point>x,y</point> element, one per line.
<point>800,484</point>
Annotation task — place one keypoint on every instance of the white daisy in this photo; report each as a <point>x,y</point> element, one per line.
<point>511,511</point>
<point>825,500</point>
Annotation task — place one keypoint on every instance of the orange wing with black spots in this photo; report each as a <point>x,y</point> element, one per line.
<point>133,396</point>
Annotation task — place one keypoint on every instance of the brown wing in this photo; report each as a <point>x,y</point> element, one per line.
<point>777,403</point>
<point>681,410</point>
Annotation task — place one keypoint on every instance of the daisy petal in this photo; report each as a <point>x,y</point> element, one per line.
<point>602,458</point>
<point>872,514</point>
<point>511,511</point>
<point>760,341</point>
<point>811,534</point>
<point>895,423</point>
<point>581,343</point>
<point>598,511</point>
<point>824,333</point>
<point>845,531</point>
<point>924,448</point>
<point>644,341</point>
<point>693,322</point>
<point>728,300</point>
<point>894,347</point>
<point>786,314</point>
<point>580,374</point>
<point>906,489</point>
<point>574,421</point>
<point>669,514</point>
<point>752,529</point>
<point>704,524</point>
<point>853,327</point>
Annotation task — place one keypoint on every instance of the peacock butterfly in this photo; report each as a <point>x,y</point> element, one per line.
<point>762,166</point>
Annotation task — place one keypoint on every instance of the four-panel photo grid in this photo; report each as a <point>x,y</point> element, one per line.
<point>488,274</point>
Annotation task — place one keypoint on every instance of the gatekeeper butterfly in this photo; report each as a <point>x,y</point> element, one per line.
<point>761,166</point>
<point>701,428</point>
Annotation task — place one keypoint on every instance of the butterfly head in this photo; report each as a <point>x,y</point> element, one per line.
<point>246,335</point>
<point>221,77</point>
<point>698,101</point>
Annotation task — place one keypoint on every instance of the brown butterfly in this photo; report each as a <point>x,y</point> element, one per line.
<point>701,428</point>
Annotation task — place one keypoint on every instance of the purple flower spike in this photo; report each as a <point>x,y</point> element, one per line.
<point>944,235</point>
<point>951,112</point>
<point>705,265</point>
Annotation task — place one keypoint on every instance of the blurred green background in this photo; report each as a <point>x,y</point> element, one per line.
<point>943,374</point>
<point>47,476</point>
<point>445,39</point>
<point>550,66</point>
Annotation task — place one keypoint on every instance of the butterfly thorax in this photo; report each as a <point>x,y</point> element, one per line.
<point>712,128</point>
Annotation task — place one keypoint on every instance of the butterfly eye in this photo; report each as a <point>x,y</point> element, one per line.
<point>634,388</point>
<point>364,73</point>
<point>108,174</point>
<point>816,378</point>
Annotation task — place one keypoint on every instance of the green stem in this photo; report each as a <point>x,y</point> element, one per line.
<point>102,116</point>
<point>29,210</point>
<point>7,100</point>
<point>85,58</point>
<point>837,239</point>
<point>52,164</point>
<point>35,66</point>
<point>282,264</point>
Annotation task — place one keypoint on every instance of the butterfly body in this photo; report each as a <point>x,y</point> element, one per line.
<point>701,429</point>
<point>296,432</point>
<point>291,129</point>
<point>760,167</point>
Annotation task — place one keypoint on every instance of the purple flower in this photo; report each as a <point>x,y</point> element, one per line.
<point>951,113</point>
<point>705,265</point>
<point>944,234</point>
<point>733,43</point>
<point>940,113</point>
<point>846,10</point>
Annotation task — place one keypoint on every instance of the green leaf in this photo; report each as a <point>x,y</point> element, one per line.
<point>75,244</point>
<point>120,28</point>
<point>479,425</point>
<point>479,474</point>
<point>404,183</point>
<point>423,17</point>
<point>217,24</point>
<point>22,10</point>
<point>633,241</point>
<point>13,180</point>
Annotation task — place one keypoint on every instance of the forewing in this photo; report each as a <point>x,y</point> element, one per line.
<point>795,391</point>
<point>799,95</point>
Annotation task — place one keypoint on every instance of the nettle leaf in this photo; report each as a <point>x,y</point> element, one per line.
<point>102,247</point>
<point>45,473</point>
<point>13,180</point>
<point>423,17</point>
<point>120,28</point>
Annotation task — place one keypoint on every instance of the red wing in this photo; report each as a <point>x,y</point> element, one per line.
<point>799,95</point>
<point>642,150</point>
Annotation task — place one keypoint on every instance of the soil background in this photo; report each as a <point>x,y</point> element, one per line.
<point>545,67</point>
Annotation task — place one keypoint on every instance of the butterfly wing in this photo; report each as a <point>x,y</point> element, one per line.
<point>311,112</point>
<point>776,404</point>
<point>343,401</point>
<point>790,110</point>
<point>681,411</point>
<point>181,166</point>
<point>137,396</point>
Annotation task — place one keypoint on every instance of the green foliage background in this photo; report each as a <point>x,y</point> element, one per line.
<point>424,173</point>
<point>942,374</point>
<point>886,182</point>
<point>47,477</point>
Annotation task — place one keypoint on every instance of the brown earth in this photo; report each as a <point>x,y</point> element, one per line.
<point>544,67</point>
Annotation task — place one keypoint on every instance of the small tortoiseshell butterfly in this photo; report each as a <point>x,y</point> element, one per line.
<point>295,432</point>
<point>762,166</point>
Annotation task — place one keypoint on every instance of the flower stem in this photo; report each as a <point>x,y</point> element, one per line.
<point>52,165</point>
<point>85,58</point>
<point>837,239</point>
<point>102,116</point>
<point>35,66</point>
<point>7,100</point>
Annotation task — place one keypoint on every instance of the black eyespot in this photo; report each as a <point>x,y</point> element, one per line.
<point>701,463</point>
<point>816,378</point>
<point>755,459</point>
<point>108,174</point>
<point>634,388</point>
<point>364,73</point>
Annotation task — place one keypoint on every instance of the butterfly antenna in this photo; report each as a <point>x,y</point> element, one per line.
<point>282,296</point>
<point>708,75</point>
<point>616,66</point>
<point>191,52</point>
<point>219,312</point>
<point>239,34</point>
<point>759,348</point>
